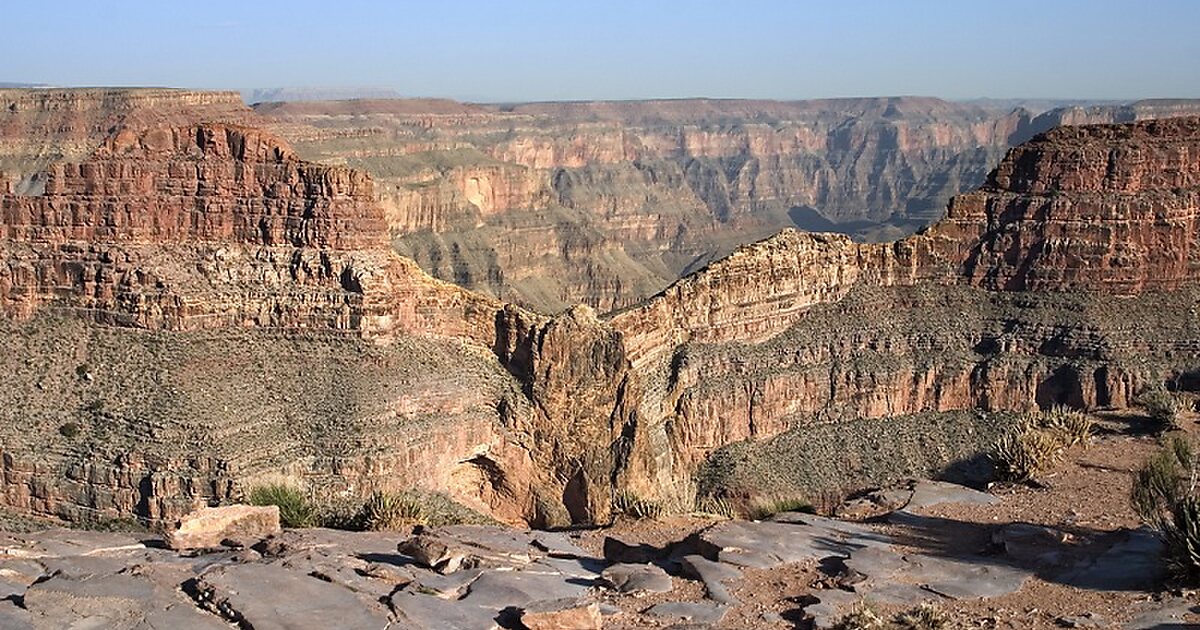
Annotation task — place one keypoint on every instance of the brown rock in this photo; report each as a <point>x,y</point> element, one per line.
<point>562,614</point>
<point>212,526</point>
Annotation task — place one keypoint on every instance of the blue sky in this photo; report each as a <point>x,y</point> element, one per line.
<point>540,50</point>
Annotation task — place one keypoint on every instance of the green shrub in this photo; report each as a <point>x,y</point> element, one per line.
<point>1165,496</point>
<point>765,508</point>
<point>1161,406</point>
<point>385,511</point>
<point>295,510</point>
<point>634,506</point>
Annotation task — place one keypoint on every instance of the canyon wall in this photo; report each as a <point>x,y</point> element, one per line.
<point>193,308</point>
<point>607,203</point>
<point>254,322</point>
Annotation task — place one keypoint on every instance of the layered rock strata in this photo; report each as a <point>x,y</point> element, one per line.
<point>255,323</point>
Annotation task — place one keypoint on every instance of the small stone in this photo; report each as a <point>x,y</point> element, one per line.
<point>562,614</point>
<point>212,526</point>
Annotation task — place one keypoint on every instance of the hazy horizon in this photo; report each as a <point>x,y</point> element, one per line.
<point>541,51</point>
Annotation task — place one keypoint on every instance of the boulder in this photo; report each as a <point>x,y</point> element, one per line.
<point>212,526</point>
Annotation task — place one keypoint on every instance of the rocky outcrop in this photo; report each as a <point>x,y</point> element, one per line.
<point>801,328</point>
<point>1104,208</point>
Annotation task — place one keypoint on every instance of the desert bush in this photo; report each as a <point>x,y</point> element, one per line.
<point>295,510</point>
<point>385,511</point>
<point>1073,425</point>
<point>1162,406</point>
<point>765,508</point>
<point>924,617</point>
<point>69,430</point>
<point>927,616</point>
<point>862,617</point>
<point>1025,452</point>
<point>634,506</point>
<point>1165,496</point>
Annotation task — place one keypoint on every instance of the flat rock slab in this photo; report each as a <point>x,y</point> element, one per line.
<point>1131,563</point>
<point>57,543</point>
<point>498,590</point>
<point>637,578</point>
<point>418,611</point>
<point>929,493</point>
<point>713,575</point>
<point>113,601</point>
<point>268,596</point>
<point>787,538</point>
<point>697,612</point>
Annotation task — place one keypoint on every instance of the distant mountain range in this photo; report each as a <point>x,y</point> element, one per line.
<point>290,94</point>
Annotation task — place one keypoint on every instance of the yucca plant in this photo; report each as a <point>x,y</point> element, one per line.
<point>1075,426</point>
<point>1022,454</point>
<point>634,506</point>
<point>295,510</point>
<point>386,511</point>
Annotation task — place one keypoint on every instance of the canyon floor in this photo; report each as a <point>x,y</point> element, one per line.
<point>1067,551</point>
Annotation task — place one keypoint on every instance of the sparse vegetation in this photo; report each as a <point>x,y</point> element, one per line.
<point>1162,406</point>
<point>1037,441</point>
<point>69,430</point>
<point>1074,425</point>
<point>862,617</point>
<point>924,617</point>
<point>714,506</point>
<point>295,509</point>
<point>634,506</point>
<point>927,616</point>
<point>768,507</point>
<point>1165,496</point>
<point>385,511</point>
<point>1023,453</point>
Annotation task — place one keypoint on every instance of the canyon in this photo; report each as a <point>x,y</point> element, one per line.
<point>607,203</point>
<point>192,307</point>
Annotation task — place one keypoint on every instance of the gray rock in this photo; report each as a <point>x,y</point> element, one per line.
<point>116,601</point>
<point>637,578</point>
<point>713,575</point>
<point>13,617</point>
<point>927,493</point>
<point>787,538</point>
<point>963,578</point>
<point>498,590</point>
<point>700,612</point>
<point>1086,620</point>
<point>425,612</point>
<point>270,596</point>
<point>1132,562</point>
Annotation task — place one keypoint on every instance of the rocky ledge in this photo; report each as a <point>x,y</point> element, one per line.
<point>477,577</point>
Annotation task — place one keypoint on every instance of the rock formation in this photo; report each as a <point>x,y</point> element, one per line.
<point>550,204</point>
<point>193,308</point>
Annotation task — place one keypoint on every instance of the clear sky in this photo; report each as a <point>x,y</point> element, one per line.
<point>496,50</point>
